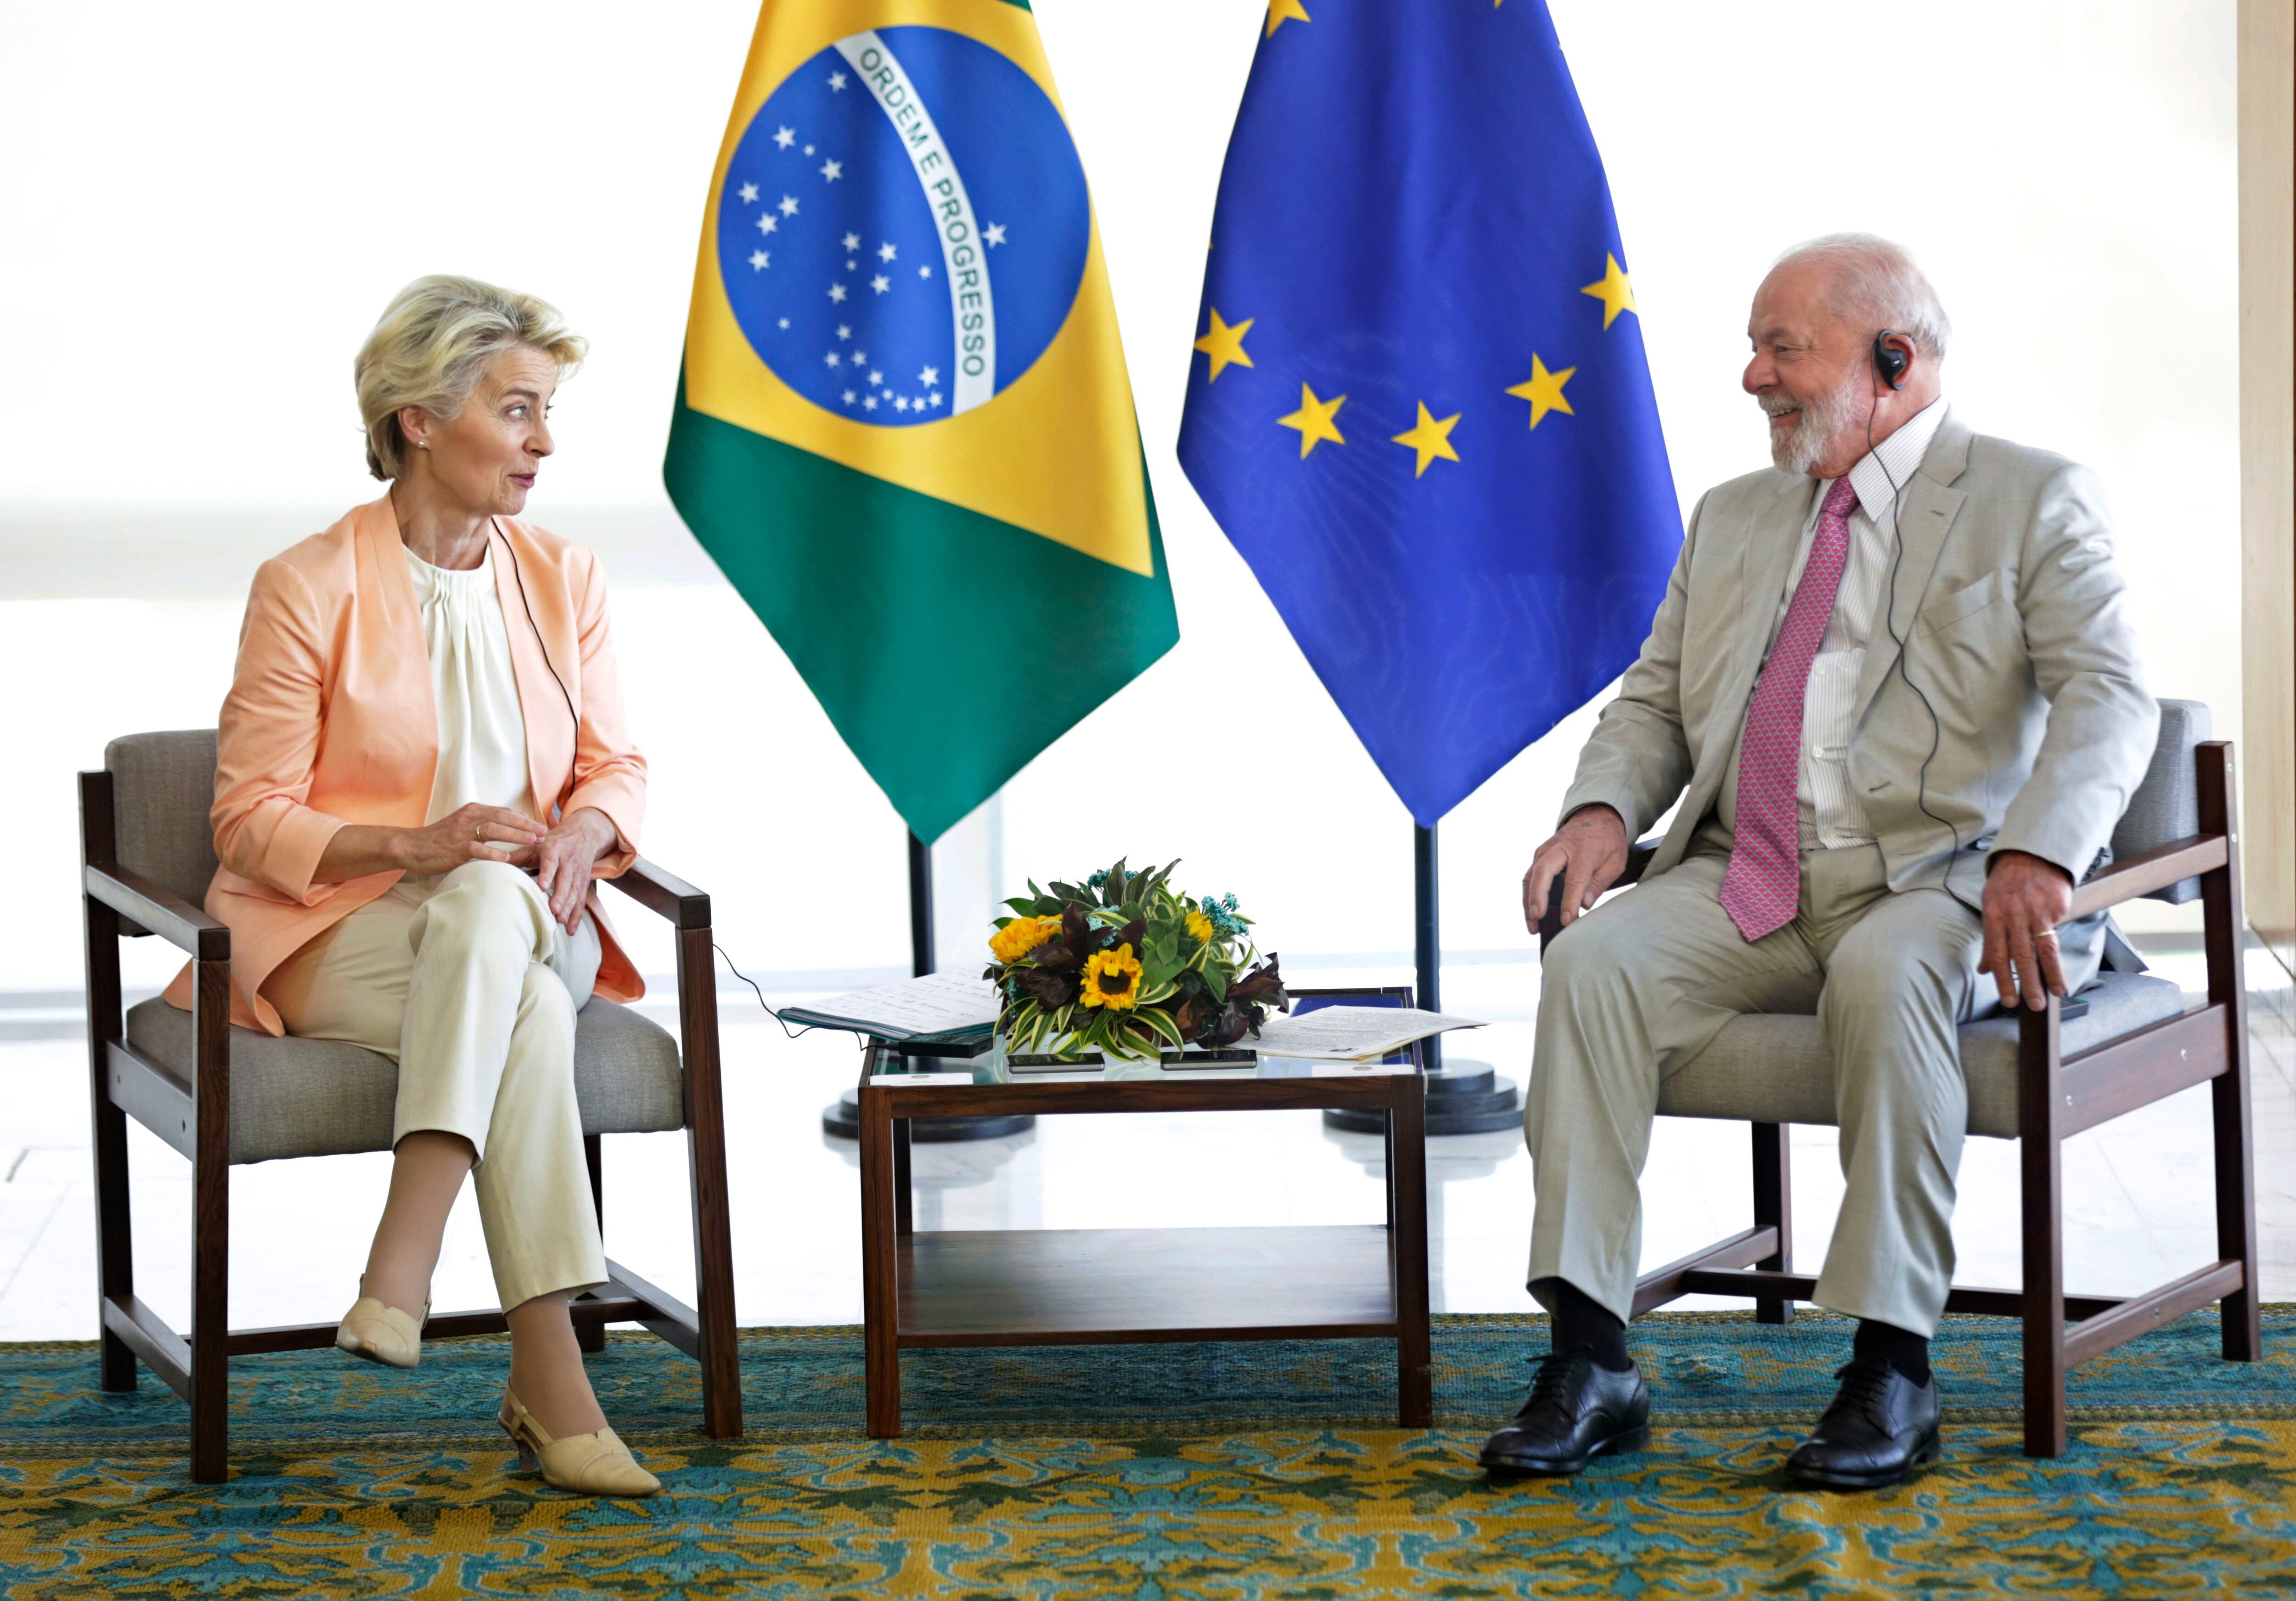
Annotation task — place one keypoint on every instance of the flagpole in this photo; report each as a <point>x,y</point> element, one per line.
<point>921,907</point>
<point>1428,921</point>
<point>842,1119</point>
<point>1468,1096</point>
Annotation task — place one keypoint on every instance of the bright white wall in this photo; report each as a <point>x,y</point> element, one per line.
<point>207,206</point>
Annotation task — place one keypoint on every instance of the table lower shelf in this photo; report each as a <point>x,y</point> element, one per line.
<point>1075,1286</point>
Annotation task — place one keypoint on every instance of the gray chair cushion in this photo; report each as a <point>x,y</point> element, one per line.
<point>1775,1068</point>
<point>625,1071</point>
<point>320,1098</point>
<point>162,787</point>
<point>2167,805</point>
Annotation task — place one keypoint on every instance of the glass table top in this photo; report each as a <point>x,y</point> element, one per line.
<point>993,1067</point>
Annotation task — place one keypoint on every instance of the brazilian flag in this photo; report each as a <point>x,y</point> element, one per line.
<point>903,428</point>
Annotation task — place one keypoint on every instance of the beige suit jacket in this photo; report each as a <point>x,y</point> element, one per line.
<point>2014,623</point>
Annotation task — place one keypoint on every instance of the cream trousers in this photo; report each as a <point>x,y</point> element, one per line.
<point>1635,989</point>
<point>466,981</point>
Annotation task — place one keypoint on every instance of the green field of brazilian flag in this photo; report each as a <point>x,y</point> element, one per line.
<point>904,427</point>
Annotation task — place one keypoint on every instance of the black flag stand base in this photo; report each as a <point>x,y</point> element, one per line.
<point>1462,1097</point>
<point>842,1120</point>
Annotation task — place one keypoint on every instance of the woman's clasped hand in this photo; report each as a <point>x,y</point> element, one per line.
<point>561,858</point>
<point>565,858</point>
<point>472,833</point>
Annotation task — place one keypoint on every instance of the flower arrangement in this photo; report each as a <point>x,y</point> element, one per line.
<point>1123,963</point>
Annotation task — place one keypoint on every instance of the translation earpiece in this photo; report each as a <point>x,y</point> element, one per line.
<point>1888,361</point>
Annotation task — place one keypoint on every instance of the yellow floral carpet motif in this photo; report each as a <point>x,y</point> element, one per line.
<point>1238,1471</point>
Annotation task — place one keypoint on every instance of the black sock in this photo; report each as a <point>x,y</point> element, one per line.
<point>1909,1354</point>
<point>1578,1319</point>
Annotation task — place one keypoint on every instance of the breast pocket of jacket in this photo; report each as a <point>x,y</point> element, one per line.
<point>1958,606</point>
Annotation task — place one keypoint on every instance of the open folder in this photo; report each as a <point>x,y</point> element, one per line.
<point>1350,1033</point>
<point>937,1006</point>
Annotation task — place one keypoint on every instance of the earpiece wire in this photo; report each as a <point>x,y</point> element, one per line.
<point>1889,621</point>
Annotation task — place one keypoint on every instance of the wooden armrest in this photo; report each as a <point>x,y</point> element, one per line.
<point>665,894</point>
<point>2154,869</point>
<point>1638,861</point>
<point>141,901</point>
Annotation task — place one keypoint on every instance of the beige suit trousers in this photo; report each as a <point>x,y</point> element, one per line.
<point>467,982</point>
<point>1636,988</point>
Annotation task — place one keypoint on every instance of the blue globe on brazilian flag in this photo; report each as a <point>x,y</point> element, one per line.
<point>904,430</point>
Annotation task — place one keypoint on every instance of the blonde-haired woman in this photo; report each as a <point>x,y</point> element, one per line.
<point>422,766</point>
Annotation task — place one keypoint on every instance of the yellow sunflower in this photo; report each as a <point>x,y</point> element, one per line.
<point>1111,979</point>
<point>1021,936</point>
<point>1199,928</point>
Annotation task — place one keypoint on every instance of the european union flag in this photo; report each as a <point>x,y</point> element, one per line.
<point>1422,411</point>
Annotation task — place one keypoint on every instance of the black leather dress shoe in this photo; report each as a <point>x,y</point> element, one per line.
<point>1577,1410</point>
<point>1881,1426</point>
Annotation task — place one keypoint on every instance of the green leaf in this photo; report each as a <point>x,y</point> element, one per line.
<point>1216,978</point>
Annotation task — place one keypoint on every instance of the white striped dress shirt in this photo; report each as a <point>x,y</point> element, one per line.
<point>1831,816</point>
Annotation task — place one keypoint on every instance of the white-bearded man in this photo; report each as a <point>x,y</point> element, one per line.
<point>1894,687</point>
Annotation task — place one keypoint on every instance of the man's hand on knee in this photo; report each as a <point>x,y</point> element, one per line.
<point>2026,898</point>
<point>1588,851</point>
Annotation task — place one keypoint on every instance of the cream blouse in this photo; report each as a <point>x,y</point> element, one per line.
<point>482,734</point>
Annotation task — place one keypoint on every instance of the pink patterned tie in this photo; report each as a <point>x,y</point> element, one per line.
<point>1764,883</point>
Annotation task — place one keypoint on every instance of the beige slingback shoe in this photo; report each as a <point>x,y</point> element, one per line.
<point>381,1333</point>
<point>593,1464</point>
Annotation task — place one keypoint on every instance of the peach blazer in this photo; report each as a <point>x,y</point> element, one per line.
<point>331,721</point>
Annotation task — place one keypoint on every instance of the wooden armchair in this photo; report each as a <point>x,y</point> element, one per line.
<point>2039,1077</point>
<point>222,1095</point>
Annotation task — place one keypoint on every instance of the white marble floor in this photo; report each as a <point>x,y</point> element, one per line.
<point>2137,1193</point>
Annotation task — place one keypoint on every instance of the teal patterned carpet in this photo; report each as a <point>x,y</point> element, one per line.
<point>1252,1471</point>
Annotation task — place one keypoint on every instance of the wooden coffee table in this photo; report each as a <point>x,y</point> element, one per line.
<point>1121,1286</point>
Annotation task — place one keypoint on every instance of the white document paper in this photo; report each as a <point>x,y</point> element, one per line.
<point>918,1081</point>
<point>939,1003</point>
<point>1352,1033</point>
